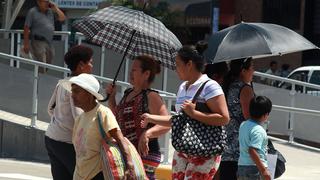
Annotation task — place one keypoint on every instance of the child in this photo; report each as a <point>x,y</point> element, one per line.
<point>252,164</point>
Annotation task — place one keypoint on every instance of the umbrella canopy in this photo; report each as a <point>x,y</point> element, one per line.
<point>131,33</point>
<point>254,40</point>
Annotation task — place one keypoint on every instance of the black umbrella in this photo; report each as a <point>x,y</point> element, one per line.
<point>254,40</point>
<point>131,33</point>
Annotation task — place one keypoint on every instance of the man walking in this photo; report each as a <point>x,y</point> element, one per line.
<point>39,27</point>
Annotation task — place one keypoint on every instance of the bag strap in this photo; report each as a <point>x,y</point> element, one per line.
<point>102,132</point>
<point>199,91</point>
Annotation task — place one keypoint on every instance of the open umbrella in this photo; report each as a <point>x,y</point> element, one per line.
<point>254,40</point>
<point>130,32</point>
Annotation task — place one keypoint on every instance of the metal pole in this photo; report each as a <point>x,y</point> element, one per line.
<point>79,40</point>
<point>126,71</point>
<point>214,16</point>
<point>103,50</point>
<point>66,46</point>
<point>166,139</point>
<point>12,49</point>
<point>165,79</point>
<point>35,97</point>
<point>7,15</point>
<point>18,49</point>
<point>291,114</point>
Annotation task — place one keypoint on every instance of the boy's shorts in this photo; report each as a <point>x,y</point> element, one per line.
<point>248,173</point>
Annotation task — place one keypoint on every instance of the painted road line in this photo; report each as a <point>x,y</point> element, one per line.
<point>21,176</point>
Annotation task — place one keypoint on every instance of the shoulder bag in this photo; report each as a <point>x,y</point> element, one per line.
<point>195,138</point>
<point>113,163</point>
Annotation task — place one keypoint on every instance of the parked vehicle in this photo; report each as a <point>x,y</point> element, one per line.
<point>309,74</point>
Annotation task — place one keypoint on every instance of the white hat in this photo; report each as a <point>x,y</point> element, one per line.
<point>87,82</point>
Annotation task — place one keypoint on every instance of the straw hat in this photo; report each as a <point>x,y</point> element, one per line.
<point>87,82</point>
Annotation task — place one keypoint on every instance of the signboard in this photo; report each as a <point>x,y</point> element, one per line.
<point>198,21</point>
<point>215,20</point>
<point>77,4</point>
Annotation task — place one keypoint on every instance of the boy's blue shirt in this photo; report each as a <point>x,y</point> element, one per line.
<point>252,134</point>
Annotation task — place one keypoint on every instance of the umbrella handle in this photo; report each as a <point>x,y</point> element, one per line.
<point>108,95</point>
<point>123,58</point>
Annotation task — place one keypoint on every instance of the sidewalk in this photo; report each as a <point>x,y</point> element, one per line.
<point>303,163</point>
<point>11,169</point>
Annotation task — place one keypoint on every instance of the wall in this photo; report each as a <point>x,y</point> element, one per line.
<point>20,142</point>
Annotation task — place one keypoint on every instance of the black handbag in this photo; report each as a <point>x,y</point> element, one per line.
<point>195,138</point>
<point>280,166</point>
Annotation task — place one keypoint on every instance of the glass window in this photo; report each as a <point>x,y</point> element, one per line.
<point>300,76</point>
<point>315,77</point>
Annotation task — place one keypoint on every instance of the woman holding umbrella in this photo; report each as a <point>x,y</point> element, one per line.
<point>138,100</point>
<point>238,89</point>
<point>189,67</point>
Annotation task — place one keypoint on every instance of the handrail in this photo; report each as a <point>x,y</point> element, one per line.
<point>21,31</point>
<point>296,110</point>
<point>292,81</point>
<point>171,96</point>
<point>164,94</point>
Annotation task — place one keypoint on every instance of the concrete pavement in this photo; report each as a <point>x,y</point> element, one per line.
<point>11,169</point>
<point>303,163</point>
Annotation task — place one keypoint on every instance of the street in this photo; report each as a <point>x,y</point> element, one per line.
<point>302,163</point>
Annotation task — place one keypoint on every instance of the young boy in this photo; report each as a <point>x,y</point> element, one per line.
<point>253,140</point>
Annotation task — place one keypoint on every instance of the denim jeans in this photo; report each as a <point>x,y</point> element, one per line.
<point>249,173</point>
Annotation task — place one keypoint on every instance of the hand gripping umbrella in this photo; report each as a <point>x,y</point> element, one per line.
<point>131,33</point>
<point>255,40</point>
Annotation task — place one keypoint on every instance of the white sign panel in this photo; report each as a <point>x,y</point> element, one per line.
<point>77,4</point>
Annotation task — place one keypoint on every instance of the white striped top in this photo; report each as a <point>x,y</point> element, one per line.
<point>210,90</point>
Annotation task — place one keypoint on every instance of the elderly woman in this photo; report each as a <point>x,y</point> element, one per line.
<point>189,67</point>
<point>86,137</point>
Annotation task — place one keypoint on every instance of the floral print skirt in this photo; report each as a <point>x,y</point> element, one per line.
<point>192,167</point>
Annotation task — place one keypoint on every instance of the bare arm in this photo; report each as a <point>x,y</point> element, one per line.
<point>117,135</point>
<point>111,90</point>
<point>156,106</point>
<point>155,119</point>
<point>216,104</point>
<point>61,16</point>
<point>26,38</point>
<point>246,95</point>
<point>255,157</point>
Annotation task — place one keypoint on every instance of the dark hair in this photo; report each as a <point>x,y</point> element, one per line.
<point>272,63</point>
<point>201,46</point>
<point>220,69</point>
<point>148,63</point>
<point>259,106</point>
<point>189,53</point>
<point>285,67</point>
<point>236,66</point>
<point>76,54</point>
